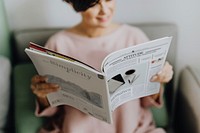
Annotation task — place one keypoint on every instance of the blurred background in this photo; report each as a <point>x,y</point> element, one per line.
<point>25,14</point>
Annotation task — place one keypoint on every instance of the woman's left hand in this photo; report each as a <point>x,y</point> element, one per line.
<point>165,75</point>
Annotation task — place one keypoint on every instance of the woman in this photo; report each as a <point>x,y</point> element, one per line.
<point>90,41</point>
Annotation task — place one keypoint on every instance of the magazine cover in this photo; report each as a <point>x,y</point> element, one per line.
<point>81,86</point>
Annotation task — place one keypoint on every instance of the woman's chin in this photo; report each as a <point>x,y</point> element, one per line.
<point>104,24</point>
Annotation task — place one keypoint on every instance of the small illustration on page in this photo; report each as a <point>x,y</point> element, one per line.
<point>115,82</point>
<point>131,76</point>
<point>69,87</point>
<point>157,60</point>
<point>135,75</point>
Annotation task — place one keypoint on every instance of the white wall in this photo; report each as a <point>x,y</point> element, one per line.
<point>24,14</point>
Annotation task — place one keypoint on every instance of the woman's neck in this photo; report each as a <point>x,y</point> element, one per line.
<point>91,32</point>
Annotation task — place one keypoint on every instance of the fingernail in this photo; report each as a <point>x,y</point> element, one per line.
<point>154,78</point>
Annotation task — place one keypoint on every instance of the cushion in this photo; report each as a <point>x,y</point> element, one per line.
<point>23,37</point>
<point>5,69</point>
<point>195,71</point>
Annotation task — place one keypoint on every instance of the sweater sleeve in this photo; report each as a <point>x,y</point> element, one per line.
<point>49,111</point>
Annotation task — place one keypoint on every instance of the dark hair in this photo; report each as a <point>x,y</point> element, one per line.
<point>82,5</point>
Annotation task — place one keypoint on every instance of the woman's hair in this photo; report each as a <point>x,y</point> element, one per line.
<point>82,5</point>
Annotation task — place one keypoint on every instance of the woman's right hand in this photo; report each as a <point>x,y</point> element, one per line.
<point>41,88</point>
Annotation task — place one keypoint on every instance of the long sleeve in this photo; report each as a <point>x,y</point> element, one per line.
<point>50,111</point>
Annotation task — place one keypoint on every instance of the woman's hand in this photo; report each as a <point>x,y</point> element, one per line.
<point>165,75</point>
<point>41,88</point>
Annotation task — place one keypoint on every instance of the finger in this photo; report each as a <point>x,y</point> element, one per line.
<point>44,86</point>
<point>166,68</point>
<point>164,77</point>
<point>168,73</point>
<point>41,92</point>
<point>165,71</point>
<point>169,76</point>
<point>154,78</point>
<point>38,79</point>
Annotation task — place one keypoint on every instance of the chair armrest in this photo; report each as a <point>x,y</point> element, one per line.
<point>24,100</point>
<point>5,71</point>
<point>187,115</point>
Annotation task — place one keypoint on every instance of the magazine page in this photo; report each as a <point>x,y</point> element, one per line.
<point>128,71</point>
<point>80,86</point>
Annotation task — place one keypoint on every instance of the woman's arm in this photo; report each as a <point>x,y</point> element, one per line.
<point>164,76</point>
<point>41,88</point>
<point>155,100</point>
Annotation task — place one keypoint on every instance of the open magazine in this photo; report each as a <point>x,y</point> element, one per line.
<point>125,75</point>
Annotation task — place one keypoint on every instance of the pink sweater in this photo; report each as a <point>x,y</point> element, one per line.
<point>131,117</point>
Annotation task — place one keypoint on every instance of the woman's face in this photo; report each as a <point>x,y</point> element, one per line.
<point>100,15</point>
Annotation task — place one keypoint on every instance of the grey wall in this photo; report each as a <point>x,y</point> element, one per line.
<point>23,14</point>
